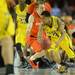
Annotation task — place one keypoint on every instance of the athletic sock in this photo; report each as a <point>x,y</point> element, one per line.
<point>9,69</point>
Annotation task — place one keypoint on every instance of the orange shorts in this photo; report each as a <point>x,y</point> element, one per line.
<point>36,46</point>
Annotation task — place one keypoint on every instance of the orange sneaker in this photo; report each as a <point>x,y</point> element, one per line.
<point>34,66</point>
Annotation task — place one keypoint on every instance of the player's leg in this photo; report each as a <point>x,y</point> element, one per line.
<point>8,54</point>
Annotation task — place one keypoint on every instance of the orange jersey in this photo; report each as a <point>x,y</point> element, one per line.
<point>35,26</point>
<point>32,39</point>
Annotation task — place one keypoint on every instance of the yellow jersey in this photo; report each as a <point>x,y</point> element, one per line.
<point>52,29</point>
<point>21,25</point>
<point>55,34</point>
<point>7,26</point>
<point>21,16</point>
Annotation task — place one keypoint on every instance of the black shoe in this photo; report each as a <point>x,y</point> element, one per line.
<point>9,69</point>
<point>25,64</point>
<point>72,60</point>
<point>28,67</point>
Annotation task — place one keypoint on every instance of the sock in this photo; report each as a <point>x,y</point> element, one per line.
<point>9,69</point>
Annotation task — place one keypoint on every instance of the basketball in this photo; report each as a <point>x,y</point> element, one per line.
<point>46,44</point>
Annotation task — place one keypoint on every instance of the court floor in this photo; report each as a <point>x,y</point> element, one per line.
<point>21,71</point>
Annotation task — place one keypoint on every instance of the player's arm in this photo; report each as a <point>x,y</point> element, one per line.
<point>30,24</point>
<point>39,36</point>
<point>61,26</point>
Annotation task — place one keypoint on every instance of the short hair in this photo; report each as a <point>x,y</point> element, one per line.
<point>46,14</point>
